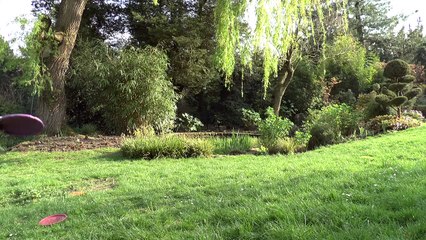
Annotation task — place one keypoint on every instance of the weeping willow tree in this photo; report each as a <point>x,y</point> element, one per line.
<point>274,28</point>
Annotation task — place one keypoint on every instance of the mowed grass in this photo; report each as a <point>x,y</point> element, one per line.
<point>368,189</point>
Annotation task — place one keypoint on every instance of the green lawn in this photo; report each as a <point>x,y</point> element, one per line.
<point>368,189</point>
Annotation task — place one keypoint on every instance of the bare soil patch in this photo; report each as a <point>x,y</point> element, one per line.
<point>83,142</point>
<point>70,143</point>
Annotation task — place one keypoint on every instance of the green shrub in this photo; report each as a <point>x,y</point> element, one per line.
<point>398,92</point>
<point>283,146</point>
<point>420,105</point>
<point>8,107</point>
<point>368,106</point>
<point>188,123</point>
<point>165,147</point>
<point>346,97</point>
<point>301,140</point>
<point>237,144</point>
<point>348,61</point>
<point>331,124</point>
<point>391,122</point>
<point>250,118</point>
<point>396,69</point>
<point>129,88</point>
<point>273,128</point>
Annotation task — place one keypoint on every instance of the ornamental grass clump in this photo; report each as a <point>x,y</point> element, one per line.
<point>236,144</point>
<point>165,147</point>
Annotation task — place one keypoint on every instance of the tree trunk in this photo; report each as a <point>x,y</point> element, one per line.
<point>359,26</point>
<point>285,75</point>
<point>51,104</point>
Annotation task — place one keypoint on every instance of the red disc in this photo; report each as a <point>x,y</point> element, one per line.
<point>21,124</point>
<point>52,219</point>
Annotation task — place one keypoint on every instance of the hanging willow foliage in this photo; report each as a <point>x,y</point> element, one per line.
<point>278,26</point>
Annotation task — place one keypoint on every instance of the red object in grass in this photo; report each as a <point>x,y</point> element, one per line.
<point>52,219</point>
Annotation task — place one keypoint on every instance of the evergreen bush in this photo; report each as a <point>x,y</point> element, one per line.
<point>128,88</point>
<point>398,91</point>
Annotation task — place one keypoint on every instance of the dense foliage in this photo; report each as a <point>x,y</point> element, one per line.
<point>398,91</point>
<point>236,144</point>
<point>121,82</point>
<point>392,123</point>
<point>40,44</point>
<point>278,25</point>
<point>128,88</point>
<point>331,124</point>
<point>11,99</point>
<point>348,62</point>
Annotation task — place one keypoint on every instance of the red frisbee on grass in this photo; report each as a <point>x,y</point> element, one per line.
<point>52,219</point>
<point>21,124</point>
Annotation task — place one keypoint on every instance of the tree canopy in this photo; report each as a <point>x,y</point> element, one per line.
<point>270,27</point>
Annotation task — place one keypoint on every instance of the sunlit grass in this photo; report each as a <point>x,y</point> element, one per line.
<point>367,189</point>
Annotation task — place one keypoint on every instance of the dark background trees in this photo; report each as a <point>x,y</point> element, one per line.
<point>185,32</point>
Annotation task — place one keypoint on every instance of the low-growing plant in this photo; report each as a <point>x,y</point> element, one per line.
<point>188,123</point>
<point>144,131</point>
<point>283,146</point>
<point>236,144</point>
<point>301,140</point>
<point>273,128</point>
<point>7,141</point>
<point>331,124</point>
<point>418,115</point>
<point>368,106</point>
<point>165,147</point>
<point>391,122</point>
<point>250,118</point>
<point>2,149</point>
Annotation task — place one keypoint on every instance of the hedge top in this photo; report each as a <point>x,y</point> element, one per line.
<point>396,69</point>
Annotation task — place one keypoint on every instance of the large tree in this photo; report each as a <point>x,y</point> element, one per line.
<point>182,28</point>
<point>52,101</point>
<point>280,29</point>
<point>369,20</point>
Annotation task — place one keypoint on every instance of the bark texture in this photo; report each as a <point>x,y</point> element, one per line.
<point>52,104</point>
<point>285,75</point>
